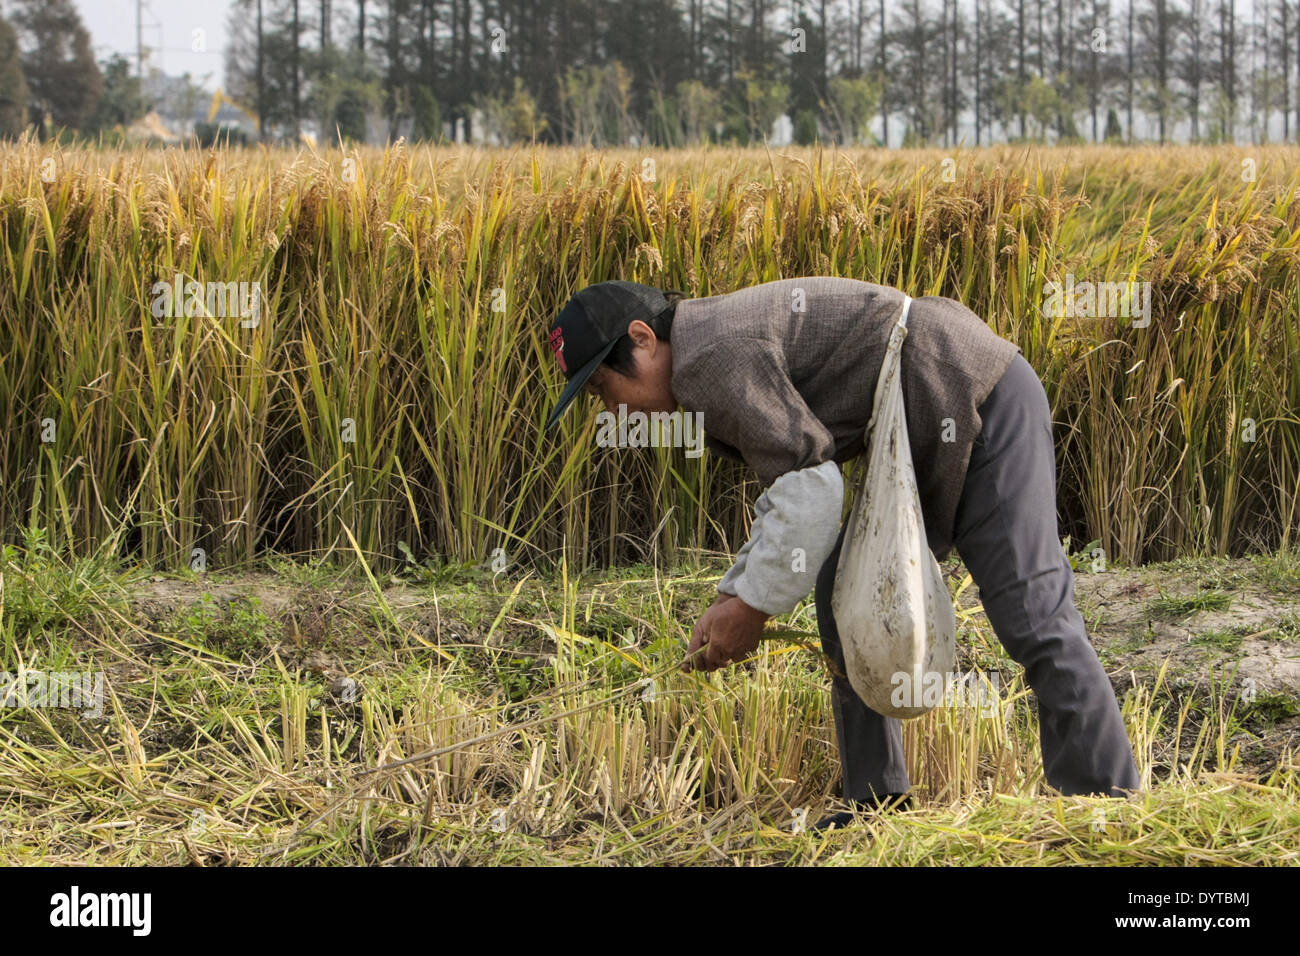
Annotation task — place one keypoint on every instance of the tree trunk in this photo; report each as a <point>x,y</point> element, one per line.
<point>1020,60</point>
<point>978,69</point>
<point>884,79</point>
<point>1128,94</point>
<point>261,88</point>
<point>297,39</point>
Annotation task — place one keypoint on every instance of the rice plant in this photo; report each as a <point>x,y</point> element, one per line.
<point>392,385</point>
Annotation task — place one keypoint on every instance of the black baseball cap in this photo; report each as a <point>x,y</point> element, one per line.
<point>589,325</point>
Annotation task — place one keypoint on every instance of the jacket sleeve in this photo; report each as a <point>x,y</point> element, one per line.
<point>796,522</point>
<point>751,404</point>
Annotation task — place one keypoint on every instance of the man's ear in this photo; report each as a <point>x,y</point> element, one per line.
<point>642,335</point>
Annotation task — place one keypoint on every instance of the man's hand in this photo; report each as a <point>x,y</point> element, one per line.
<point>728,632</point>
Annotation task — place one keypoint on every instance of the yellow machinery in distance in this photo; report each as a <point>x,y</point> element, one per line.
<point>218,98</point>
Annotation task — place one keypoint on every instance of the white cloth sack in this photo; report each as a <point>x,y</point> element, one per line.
<point>892,608</point>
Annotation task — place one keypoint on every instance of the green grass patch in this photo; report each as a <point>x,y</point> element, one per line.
<point>1223,640</point>
<point>1176,608</point>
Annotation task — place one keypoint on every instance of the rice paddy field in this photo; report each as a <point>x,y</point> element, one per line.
<point>349,603</point>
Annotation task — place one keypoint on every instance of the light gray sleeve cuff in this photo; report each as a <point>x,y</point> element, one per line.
<point>796,522</point>
<point>728,583</point>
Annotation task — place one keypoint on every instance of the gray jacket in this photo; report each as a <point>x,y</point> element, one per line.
<point>784,374</point>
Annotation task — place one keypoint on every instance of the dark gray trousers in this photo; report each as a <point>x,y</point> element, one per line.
<point>1006,533</point>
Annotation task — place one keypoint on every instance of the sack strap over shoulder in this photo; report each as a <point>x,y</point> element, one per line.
<point>899,331</point>
<point>907,307</point>
<point>890,367</point>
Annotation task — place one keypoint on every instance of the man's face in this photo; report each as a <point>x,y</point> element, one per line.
<point>649,390</point>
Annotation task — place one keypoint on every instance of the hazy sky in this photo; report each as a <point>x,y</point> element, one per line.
<point>168,34</point>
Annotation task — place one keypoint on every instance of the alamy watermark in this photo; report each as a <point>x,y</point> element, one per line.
<point>180,298</point>
<point>1098,300</point>
<point>656,430</point>
<point>72,690</point>
<point>129,910</point>
<point>949,689</point>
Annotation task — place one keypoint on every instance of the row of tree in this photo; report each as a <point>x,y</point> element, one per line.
<point>679,71</point>
<point>673,72</point>
<point>49,80</point>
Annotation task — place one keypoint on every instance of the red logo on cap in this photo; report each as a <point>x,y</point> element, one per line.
<point>557,345</point>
